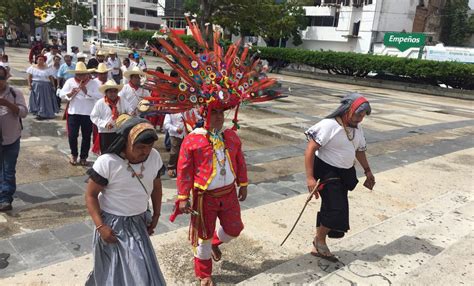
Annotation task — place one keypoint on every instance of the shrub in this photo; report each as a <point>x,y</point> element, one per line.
<point>453,74</point>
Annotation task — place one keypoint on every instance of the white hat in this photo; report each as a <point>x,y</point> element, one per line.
<point>100,53</point>
<point>81,55</point>
<point>102,68</point>
<point>81,69</point>
<point>134,70</point>
<point>110,84</point>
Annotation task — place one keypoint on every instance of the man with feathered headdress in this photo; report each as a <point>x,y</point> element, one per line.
<point>212,174</point>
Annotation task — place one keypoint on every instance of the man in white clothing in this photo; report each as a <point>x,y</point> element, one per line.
<point>132,91</point>
<point>81,93</point>
<point>106,111</point>
<point>127,66</point>
<point>113,63</point>
<point>93,49</point>
<point>174,124</point>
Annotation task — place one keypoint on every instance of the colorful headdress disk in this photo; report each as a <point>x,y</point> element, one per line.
<point>211,78</point>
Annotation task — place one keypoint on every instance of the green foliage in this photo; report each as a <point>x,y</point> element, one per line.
<point>456,75</point>
<point>22,11</point>
<point>70,13</point>
<point>136,36</point>
<point>454,24</point>
<point>269,19</point>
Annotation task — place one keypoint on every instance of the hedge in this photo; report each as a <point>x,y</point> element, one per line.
<point>137,36</point>
<point>456,75</point>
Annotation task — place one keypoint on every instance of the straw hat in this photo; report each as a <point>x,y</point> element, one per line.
<point>110,84</point>
<point>81,69</point>
<point>102,68</point>
<point>81,55</point>
<point>100,53</point>
<point>112,52</point>
<point>134,70</point>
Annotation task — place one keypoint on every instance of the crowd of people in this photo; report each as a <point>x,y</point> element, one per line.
<point>103,99</point>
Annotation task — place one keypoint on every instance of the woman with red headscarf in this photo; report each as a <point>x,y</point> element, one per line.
<point>333,145</point>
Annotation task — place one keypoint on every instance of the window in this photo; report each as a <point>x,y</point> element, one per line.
<point>324,21</point>
<point>137,11</point>
<point>151,13</point>
<point>367,2</point>
<point>355,28</point>
<point>340,2</point>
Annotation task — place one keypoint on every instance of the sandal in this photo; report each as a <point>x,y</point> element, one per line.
<point>206,281</point>
<point>172,173</point>
<point>216,253</point>
<point>73,161</point>
<point>83,162</point>
<point>323,251</point>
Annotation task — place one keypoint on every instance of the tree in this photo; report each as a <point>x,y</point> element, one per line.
<point>19,12</point>
<point>269,19</point>
<point>70,13</point>
<point>454,24</point>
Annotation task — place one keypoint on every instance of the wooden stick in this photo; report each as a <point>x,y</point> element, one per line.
<point>308,199</point>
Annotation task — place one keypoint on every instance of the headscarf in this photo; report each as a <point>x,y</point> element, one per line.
<point>350,104</point>
<point>132,131</point>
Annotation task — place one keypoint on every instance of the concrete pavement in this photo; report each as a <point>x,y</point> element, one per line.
<point>421,149</point>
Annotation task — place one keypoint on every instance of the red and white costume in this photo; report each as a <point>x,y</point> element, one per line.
<point>214,195</point>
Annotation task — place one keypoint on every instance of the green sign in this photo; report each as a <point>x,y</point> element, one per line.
<point>404,41</point>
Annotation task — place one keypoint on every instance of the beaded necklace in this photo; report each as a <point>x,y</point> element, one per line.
<point>217,141</point>
<point>134,173</point>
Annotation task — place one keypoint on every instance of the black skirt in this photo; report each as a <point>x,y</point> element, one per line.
<point>334,212</point>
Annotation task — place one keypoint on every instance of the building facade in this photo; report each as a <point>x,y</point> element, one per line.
<point>356,25</point>
<point>112,16</point>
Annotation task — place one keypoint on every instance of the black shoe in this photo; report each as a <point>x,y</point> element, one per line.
<point>5,207</point>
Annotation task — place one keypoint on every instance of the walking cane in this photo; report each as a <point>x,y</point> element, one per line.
<point>308,199</point>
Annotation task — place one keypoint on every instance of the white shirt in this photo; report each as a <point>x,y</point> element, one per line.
<point>40,74</point>
<point>124,195</point>
<point>124,69</point>
<point>102,113</point>
<point>172,123</point>
<point>336,149</point>
<point>133,96</point>
<point>220,180</point>
<point>81,104</point>
<point>93,49</point>
<point>114,65</point>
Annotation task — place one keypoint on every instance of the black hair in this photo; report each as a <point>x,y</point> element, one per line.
<point>159,69</point>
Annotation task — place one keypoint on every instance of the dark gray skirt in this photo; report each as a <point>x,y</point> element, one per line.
<point>130,261</point>
<point>43,100</point>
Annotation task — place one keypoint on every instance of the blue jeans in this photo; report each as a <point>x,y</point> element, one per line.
<point>8,158</point>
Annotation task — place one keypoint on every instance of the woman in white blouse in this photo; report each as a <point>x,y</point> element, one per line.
<point>121,183</point>
<point>43,103</point>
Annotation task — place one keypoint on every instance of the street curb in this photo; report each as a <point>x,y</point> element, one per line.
<point>378,83</point>
<point>18,81</point>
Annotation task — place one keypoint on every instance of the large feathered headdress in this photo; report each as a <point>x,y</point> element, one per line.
<point>212,79</point>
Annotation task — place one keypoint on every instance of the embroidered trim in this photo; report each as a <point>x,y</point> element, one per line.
<point>97,178</point>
